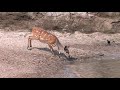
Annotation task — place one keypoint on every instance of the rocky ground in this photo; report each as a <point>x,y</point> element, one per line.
<point>91,56</point>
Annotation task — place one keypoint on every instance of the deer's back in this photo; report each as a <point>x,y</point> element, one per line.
<point>43,35</point>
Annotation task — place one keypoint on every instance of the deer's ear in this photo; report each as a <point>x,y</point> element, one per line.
<point>66,46</point>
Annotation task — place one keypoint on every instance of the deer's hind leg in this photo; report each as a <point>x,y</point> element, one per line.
<point>29,47</point>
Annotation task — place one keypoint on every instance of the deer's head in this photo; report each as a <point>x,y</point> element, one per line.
<point>66,49</point>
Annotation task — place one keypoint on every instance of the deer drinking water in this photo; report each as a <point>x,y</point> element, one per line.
<point>48,38</point>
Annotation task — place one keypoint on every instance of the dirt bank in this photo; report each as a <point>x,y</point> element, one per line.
<point>92,57</point>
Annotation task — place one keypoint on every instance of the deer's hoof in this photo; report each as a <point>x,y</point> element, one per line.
<point>29,48</point>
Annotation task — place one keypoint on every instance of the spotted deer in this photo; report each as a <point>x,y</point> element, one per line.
<point>48,38</point>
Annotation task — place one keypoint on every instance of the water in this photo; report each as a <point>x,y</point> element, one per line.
<point>100,67</point>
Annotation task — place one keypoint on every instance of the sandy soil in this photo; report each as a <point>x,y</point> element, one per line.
<point>91,57</point>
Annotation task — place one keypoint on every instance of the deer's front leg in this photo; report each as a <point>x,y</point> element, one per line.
<point>51,49</point>
<point>29,47</point>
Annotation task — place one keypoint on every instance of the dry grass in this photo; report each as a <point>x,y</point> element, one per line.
<point>15,22</point>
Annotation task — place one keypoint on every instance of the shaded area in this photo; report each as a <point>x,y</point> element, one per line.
<point>56,53</point>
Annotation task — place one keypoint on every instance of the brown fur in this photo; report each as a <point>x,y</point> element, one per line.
<point>45,37</point>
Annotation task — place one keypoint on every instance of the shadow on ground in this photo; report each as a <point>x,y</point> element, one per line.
<point>56,53</point>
